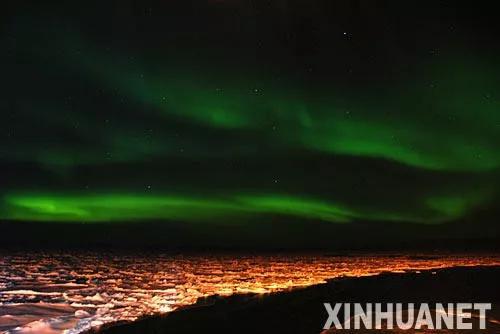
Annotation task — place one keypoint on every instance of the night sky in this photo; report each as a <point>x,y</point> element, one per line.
<point>239,115</point>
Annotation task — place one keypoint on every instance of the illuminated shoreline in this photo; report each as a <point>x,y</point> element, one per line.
<point>88,290</point>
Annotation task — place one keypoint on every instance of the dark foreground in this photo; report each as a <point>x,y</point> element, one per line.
<point>302,311</point>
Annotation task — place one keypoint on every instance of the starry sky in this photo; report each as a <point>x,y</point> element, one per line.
<point>244,113</point>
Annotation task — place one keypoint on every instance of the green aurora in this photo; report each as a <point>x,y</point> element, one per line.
<point>119,207</point>
<point>456,130</point>
<point>112,134</point>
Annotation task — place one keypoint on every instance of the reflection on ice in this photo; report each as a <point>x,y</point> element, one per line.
<point>69,293</point>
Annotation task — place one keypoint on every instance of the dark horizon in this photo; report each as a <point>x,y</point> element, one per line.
<point>191,237</point>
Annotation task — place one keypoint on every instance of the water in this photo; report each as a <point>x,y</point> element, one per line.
<point>53,293</point>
